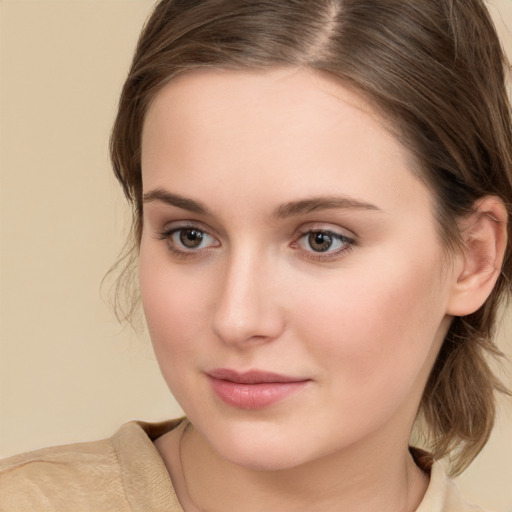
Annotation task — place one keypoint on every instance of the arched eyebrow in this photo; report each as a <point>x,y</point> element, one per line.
<point>314,204</point>
<point>291,209</point>
<point>159,194</point>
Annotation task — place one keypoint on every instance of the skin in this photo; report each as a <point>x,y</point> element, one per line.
<point>362,321</point>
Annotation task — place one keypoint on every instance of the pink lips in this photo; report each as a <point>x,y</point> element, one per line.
<point>254,389</point>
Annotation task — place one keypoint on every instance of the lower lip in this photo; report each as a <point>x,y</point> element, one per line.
<point>254,396</point>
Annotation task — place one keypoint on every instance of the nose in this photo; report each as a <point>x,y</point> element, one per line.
<point>247,309</point>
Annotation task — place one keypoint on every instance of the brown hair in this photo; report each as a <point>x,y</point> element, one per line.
<point>434,68</point>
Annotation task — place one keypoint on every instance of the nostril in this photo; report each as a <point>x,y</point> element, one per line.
<point>246,305</point>
<point>242,322</point>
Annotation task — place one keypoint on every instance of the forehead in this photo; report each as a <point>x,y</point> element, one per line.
<point>223,95</point>
<point>290,128</point>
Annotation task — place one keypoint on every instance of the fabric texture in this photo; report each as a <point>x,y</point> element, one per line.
<point>125,473</point>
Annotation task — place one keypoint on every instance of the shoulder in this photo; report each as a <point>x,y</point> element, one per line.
<point>61,477</point>
<point>443,495</point>
<point>111,474</point>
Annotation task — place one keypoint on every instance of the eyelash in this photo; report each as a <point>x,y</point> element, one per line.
<point>348,243</point>
<point>167,236</point>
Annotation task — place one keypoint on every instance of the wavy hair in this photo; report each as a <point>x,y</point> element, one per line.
<point>434,69</point>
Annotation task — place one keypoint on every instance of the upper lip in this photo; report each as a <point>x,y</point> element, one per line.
<point>251,376</point>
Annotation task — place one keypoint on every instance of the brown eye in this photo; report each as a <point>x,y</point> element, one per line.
<point>188,240</point>
<point>324,243</point>
<point>191,238</point>
<point>320,241</point>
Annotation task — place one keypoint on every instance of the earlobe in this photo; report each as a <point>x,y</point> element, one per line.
<point>484,235</point>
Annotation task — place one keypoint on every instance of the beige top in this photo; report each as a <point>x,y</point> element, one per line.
<point>126,473</point>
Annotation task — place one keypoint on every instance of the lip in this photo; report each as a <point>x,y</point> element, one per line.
<point>254,389</point>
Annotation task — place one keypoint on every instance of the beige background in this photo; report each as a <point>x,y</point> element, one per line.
<point>68,372</point>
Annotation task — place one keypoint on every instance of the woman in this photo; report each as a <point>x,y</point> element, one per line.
<point>321,194</point>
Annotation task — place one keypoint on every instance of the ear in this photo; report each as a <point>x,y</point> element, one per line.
<point>478,265</point>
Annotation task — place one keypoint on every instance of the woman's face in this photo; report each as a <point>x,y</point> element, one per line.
<point>291,271</point>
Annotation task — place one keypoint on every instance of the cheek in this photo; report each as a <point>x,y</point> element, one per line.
<point>174,313</point>
<point>375,330</point>
<point>173,309</point>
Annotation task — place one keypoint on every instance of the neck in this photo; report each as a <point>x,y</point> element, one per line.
<point>370,476</point>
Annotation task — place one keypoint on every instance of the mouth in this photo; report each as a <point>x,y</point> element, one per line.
<point>254,389</point>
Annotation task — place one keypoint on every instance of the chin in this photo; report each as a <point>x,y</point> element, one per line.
<point>259,447</point>
<point>263,460</point>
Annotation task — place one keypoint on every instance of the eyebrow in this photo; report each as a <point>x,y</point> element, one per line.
<point>314,204</point>
<point>166,197</point>
<point>291,209</point>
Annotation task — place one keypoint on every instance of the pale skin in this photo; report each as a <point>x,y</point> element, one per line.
<point>258,164</point>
